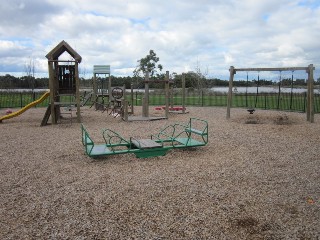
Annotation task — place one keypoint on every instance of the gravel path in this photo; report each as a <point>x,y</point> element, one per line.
<point>258,178</point>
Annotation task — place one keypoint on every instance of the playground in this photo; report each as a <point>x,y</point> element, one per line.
<point>257,178</point>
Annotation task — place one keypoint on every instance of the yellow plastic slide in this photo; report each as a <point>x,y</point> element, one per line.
<point>22,110</point>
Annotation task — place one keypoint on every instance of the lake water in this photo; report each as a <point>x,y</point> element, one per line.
<point>261,90</point>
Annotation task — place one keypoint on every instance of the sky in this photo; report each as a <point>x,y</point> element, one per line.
<point>210,35</point>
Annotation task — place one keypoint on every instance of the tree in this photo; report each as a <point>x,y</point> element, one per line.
<point>200,77</point>
<point>148,64</point>
<point>30,69</point>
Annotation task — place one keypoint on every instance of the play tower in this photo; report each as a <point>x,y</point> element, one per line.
<point>64,81</point>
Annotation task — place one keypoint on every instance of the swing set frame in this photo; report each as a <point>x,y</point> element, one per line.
<point>310,85</point>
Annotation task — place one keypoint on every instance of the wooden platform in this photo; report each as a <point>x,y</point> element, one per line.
<point>140,118</point>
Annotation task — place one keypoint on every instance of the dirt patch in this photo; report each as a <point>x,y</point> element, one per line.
<point>252,120</point>
<point>282,119</point>
<point>277,118</point>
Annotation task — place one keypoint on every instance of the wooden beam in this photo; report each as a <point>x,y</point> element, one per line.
<point>77,92</point>
<point>125,110</point>
<point>167,94</point>
<point>145,107</point>
<point>229,103</point>
<point>132,99</point>
<point>310,94</point>
<point>156,81</point>
<point>183,93</point>
<point>73,61</point>
<point>272,69</point>
<point>52,92</point>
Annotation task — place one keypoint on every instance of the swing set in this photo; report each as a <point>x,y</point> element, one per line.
<point>310,91</point>
<point>252,107</point>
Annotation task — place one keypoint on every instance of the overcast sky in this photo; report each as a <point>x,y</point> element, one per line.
<point>210,34</point>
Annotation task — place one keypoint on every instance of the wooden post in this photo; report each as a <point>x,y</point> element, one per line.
<point>109,88</point>
<point>52,92</point>
<point>310,95</point>
<point>124,92</point>
<point>125,111</point>
<point>167,94</point>
<point>143,100</point>
<point>229,103</point>
<point>145,108</point>
<point>77,91</point>
<point>171,96</point>
<point>132,112</point>
<point>95,90</point>
<point>183,93</point>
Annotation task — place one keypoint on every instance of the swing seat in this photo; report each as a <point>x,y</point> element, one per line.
<point>251,110</point>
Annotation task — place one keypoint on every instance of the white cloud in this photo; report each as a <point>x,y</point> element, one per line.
<point>216,34</point>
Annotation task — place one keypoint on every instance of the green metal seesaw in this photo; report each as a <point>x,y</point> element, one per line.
<point>193,134</point>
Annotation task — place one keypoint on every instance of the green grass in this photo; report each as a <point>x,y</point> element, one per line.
<point>286,101</point>
<point>266,101</point>
<point>19,100</point>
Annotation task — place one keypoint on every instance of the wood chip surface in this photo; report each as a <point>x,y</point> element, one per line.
<point>258,178</point>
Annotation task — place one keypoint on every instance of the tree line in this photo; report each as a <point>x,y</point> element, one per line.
<point>193,80</point>
<point>147,65</point>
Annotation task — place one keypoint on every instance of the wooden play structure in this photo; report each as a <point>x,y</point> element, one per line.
<point>182,108</point>
<point>101,86</point>
<point>192,134</point>
<point>172,107</point>
<point>169,102</point>
<point>145,102</point>
<point>106,96</point>
<point>64,82</point>
<point>310,83</point>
